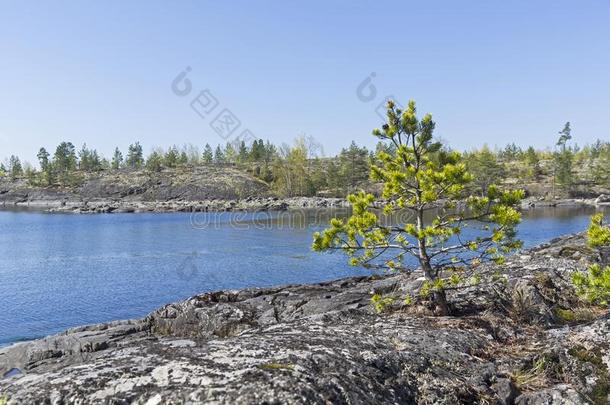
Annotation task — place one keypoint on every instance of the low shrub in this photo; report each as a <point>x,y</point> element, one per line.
<point>598,234</point>
<point>593,286</point>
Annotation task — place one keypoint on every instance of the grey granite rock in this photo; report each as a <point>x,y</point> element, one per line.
<point>505,390</point>
<point>558,395</point>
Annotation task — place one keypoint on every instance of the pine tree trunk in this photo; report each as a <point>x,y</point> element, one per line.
<point>439,298</point>
<point>441,307</point>
<point>604,255</point>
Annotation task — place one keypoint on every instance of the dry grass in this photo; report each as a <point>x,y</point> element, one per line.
<point>579,315</point>
<point>276,366</point>
<point>543,372</point>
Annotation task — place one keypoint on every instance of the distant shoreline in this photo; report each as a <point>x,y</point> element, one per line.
<point>253,204</point>
<point>208,189</point>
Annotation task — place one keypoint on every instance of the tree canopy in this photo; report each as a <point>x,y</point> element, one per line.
<point>420,177</point>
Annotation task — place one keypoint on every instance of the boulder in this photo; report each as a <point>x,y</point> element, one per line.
<point>602,199</point>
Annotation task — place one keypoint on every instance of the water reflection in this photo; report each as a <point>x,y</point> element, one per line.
<point>316,217</point>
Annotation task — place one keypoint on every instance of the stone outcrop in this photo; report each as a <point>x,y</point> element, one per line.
<point>137,189</point>
<point>200,189</point>
<point>519,338</point>
<point>249,204</point>
<point>541,202</point>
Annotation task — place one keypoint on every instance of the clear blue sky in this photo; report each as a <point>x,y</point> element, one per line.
<point>490,72</point>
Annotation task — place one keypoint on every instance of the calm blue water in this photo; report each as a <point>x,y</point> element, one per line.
<point>59,271</point>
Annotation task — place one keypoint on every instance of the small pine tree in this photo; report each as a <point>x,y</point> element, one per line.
<point>354,166</point>
<point>64,158</point>
<point>135,156</point>
<point>511,152</point>
<point>242,154</point>
<point>593,286</point>
<point>84,156</point>
<point>598,234</point>
<point>563,159</point>
<point>600,165</point>
<point>154,163</point>
<point>418,177</point>
<point>219,156</point>
<point>171,157</point>
<point>257,152</point>
<point>269,153</point>
<point>208,156</point>
<point>229,153</point>
<point>533,163</point>
<point>43,159</point>
<point>183,159</point>
<point>484,167</point>
<point>117,159</point>
<point>15,169</point>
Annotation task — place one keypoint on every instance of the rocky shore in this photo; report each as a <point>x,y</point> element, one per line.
<point>250,204</point>
<point>602,200</point>
<point>521,339</point>
<point>198,189</point>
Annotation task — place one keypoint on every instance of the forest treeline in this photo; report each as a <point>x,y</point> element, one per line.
<point>302,170</point>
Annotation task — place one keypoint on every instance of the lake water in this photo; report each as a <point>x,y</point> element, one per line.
<point>59,271</point>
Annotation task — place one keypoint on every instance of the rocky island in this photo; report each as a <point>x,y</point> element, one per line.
<point>521,339</point>
<point>204,188</point>
<point>195,189</point>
